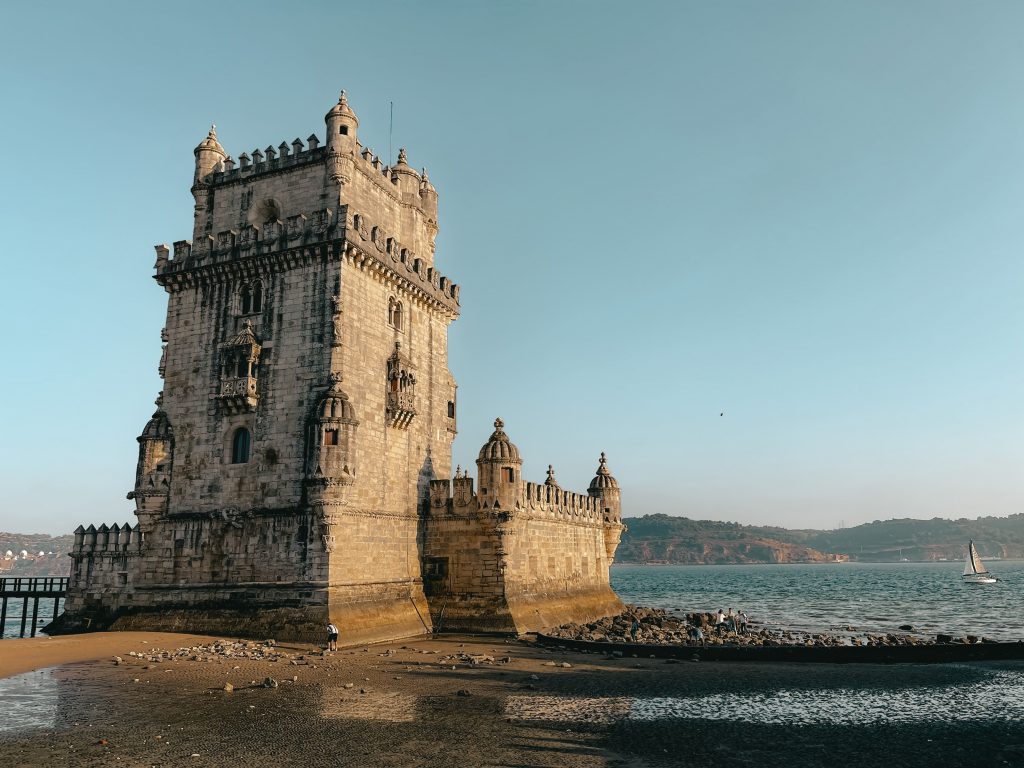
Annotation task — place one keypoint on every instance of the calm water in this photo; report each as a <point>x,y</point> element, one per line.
<point>873,597</point>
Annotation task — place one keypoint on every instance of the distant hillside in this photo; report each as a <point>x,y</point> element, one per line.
<point>661,538</point>
<point>53,561</point>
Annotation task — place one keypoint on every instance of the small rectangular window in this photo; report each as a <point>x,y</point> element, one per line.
<point>331,437</point>
<point>510,474</point>
<point>343,130</point>
<point>451,410</point>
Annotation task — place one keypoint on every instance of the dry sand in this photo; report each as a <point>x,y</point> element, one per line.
<point>406,706</point>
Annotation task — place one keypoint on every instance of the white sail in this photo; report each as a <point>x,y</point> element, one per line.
<point>973,564</point>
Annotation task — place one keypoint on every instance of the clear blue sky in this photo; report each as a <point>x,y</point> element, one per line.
<point>808,215</point>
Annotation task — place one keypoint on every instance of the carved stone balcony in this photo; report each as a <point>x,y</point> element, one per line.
<point>238,394</point>
<point>400,409</point>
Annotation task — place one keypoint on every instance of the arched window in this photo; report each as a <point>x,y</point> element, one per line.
<point>398,316</point>
<point>257,296</point>
<point>240,446</point>
<point>246,296</point>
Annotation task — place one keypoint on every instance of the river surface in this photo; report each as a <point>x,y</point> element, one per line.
<point>871,597</point>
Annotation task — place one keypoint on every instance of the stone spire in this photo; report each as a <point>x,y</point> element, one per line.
<point>551,478</point>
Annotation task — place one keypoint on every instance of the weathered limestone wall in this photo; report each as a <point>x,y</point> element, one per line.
<point>541,563</point>
<point>558,570</point>
<point>292,369</point>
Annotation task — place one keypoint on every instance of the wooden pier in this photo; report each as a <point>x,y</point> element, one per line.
<point>31,588</point>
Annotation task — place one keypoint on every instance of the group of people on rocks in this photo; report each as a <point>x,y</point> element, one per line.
<point>721,623</point>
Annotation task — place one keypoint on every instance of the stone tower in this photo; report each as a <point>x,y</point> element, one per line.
<point>290,474</point>
<point>307,402</point>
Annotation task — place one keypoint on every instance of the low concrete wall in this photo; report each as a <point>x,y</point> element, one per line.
<point>895,654</point>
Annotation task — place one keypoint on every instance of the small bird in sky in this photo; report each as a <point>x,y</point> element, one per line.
<point>722,413</point>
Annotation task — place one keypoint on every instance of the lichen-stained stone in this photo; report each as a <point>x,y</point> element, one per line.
<point>290,474</point>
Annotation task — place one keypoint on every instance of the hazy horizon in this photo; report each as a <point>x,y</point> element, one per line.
<point>804,216</point>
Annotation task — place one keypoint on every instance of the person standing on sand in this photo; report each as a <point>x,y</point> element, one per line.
<point>332,637</point>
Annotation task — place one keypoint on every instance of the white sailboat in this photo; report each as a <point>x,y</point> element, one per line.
<point>975,571</point>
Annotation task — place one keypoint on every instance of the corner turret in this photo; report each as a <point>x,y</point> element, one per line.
<point>342,125</point>
<point>153,471</point>
<point>406,179</point>
<point>499,469</point>
<point>209,154</point>
<point>606,488</point>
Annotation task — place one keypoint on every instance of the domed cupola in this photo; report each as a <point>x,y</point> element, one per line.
<point>606,488</point>
<point>603,480</point>
<point>500,473</point>
<point>499,448</point>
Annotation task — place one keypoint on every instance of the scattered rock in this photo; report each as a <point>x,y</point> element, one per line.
<point>229,687</point>
<point>463,692</point>
<point>269,682</point>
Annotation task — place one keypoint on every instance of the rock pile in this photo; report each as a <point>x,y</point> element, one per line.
<point>657,627</point>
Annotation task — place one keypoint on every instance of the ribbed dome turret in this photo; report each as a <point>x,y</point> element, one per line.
<point>499,447</point>
<point>158,427</point>
<point>603,480</point>
<point>342,109</point>
<point>210,143</point>
<point>335,405</point>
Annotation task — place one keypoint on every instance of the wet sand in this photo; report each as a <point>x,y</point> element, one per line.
<point>407,707</point>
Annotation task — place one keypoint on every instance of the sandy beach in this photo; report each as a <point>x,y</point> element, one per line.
<point>483,702</point>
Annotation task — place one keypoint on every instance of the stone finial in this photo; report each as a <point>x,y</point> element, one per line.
<point>282,148</point>
<point>313,141</point>
<point>257,157</point>
<point>602,463</point>
<point>271,152</point>
<point>297,146</point>
<point>551,477</point>
<point>213,132</point>
<point>402,158</point>
<point>498,424</point>
<point>458,471</point>
<point>343,98</point>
